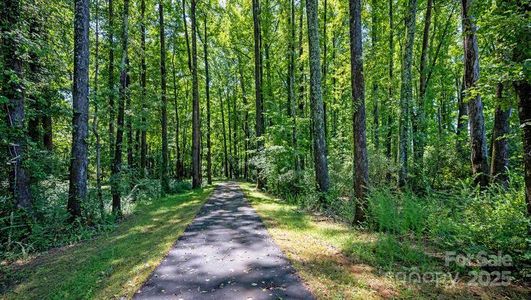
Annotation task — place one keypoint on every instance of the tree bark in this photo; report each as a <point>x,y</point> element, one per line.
<point>361,164</point>
<point>196,125</point>
<point>207,94</point>
<point>375,87</point>
<point>112,91</point>
<point>245,122</point>
<point>77,192</point>
<point>12,89</point>
<point>143,72</point>
<point>164,180</point>
<point>500,145</point>
<point>292,105</point>
<point>225,155</point>
<point>178,159</point>
<point>419,119</point>
<point>523,89</point>
<point>406,93</point>
<point>259,125</point>
<point>95,120</point>
<point>390,91</point>
<point>319,143</point>
<point>476,121</point>
<point>123,94</point>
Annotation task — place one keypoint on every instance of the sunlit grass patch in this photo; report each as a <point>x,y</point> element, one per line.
<point>115,264</point>
<point>337,261</point>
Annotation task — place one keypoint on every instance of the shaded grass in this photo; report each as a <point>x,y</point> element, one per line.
<point>114,265</point>
<point>338,262</point>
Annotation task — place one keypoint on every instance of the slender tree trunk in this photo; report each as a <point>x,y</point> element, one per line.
<point>188,52</point>
<point>112,91</point>
<point>19,177</point>
<point>292,106</point>
<point>77,192</point>
<point>500,145</point>
<point>375,88</point>
<point>523,89</point>
<point>129,126</point>
<point>164,180</point>
<point>361,165</point>
<point>207,94</point>
<point>419,119</point>
<point>123,92</point>
<point>245,122</point>
<point>325,69</point>
<point>225,155</point>
<point>178,159</point>
<point>143,71</point>
<point>390,91</point>
<point>235,137</point>
<point>476,120</point>
<point>95,121</point>
<point>229,120</point>
<point>259,126</point>
<point>35,75</point>
<point>319,143</point>
<point>406,93</point>
<point>196,125</point>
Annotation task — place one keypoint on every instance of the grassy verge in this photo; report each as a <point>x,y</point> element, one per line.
<point>113,265</point>
<point>338,262</point>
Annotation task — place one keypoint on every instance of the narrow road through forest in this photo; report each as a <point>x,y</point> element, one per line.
<point>225,253</point>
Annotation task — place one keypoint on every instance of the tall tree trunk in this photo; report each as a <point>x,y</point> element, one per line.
<point>419,120</point>
<point>19,178</point>
<point>188,52</point>
<point>143,71</point>
<point>207,94</point>
<point>406,92</point>
<point>361,165</point>
<point>164,180</point>
<point>259,126</point>
<point>178,159</point>
<point>225,155</point>
<point>462,112</point>
<point>375,88</point>
<point>235,138</point>
<point>245,122</point>
<point>129,127</point>
<point>292,106</point>
<point>390,91</point>
<point>301,83</point>
<point>476,121</point>
<point>319,143</point>
<point>325,69</point>
<point>123,94</point>
<point>112,91</point>
<point>95,120</point>
<point>77,192</point>
<point>523,90</point>
<point>229,120</point>
<point>500,145</point>
<point>196,125</point>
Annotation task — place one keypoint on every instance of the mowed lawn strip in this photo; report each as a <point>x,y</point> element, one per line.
<point>336,261</point>
<point>114,265</point>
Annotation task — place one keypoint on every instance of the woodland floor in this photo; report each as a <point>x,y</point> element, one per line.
<point>237,243</point>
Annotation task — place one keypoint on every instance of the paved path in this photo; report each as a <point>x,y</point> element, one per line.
<point>226,253</point>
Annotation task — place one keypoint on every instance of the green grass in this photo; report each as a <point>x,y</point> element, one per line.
<point>337,261</point>
<point>113,265</point>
